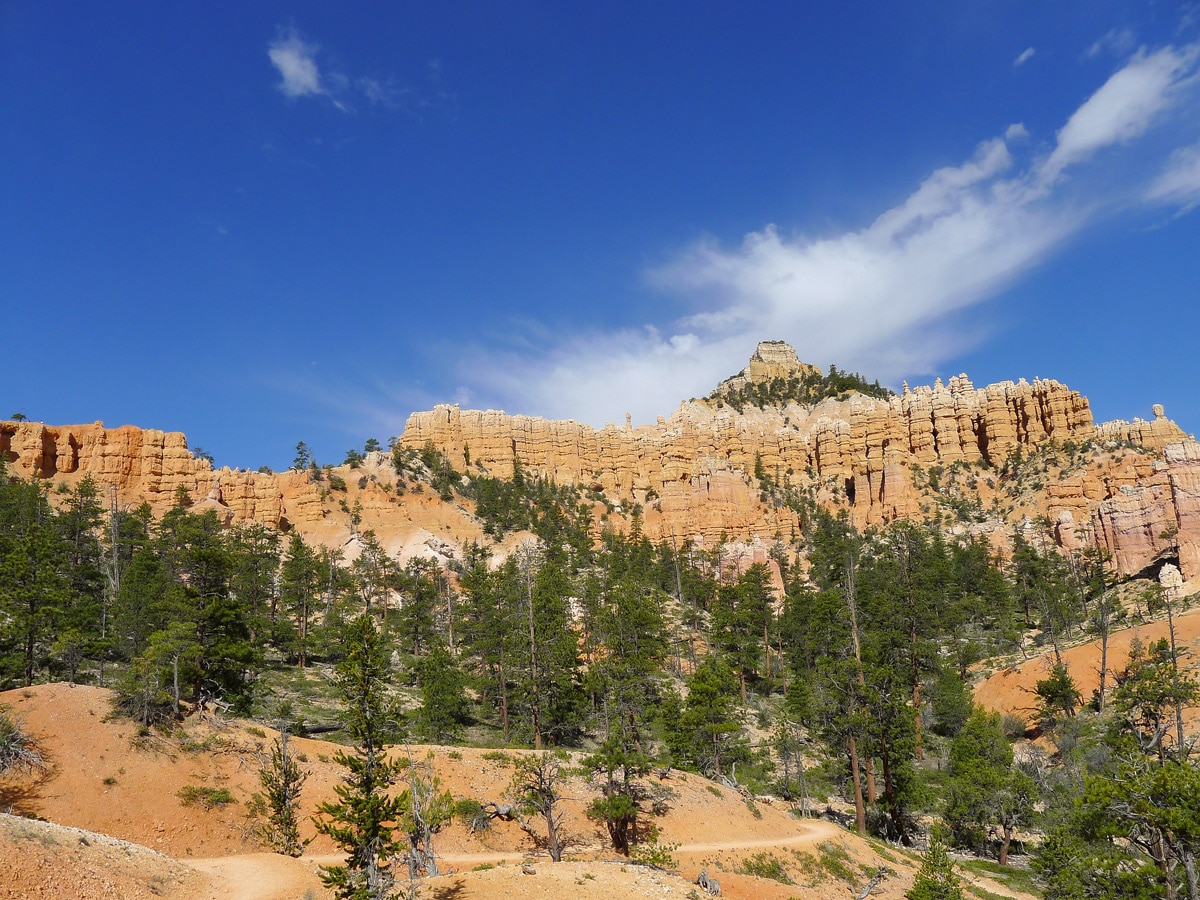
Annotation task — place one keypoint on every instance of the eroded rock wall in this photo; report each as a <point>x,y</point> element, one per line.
<point>862,447</point>
<point>151,465</point>
<point>1158,517</point>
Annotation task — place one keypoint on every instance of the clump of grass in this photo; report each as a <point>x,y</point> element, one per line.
<point>765,865</point>
<point>753,807</point>
<point>208,797</point>
<point>212,742</point>
<point>810,866</point>
<point>1015,877</point>
<point>837,862</point>
<point>498,756</point>
<point>714,790</point>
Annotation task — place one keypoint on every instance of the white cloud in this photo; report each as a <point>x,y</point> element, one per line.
<point>296,61</point>
<point>887,299</point>
<point>1124,107</point>
<point>1026,55</point>
<point>300,76</point>
<point>1179,183</point>
<point>1119,42</point>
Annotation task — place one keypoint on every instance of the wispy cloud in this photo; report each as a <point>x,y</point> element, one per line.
<point>1026,55</point>
<point>295,58</point>
<point>1118,41</point>
<point>1125,106</point>
<point>1179,183</point>
<point>888,298</point>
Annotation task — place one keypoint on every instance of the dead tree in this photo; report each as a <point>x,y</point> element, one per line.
<point>537,786</point>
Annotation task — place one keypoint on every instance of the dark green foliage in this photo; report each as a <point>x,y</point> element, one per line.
<point>985,789</point>
<point>1058,697</point>
<point>806,390</point>
<point>951,701</point>
<point>1072,868</point>
<point>521,503</point>
<point>936,879</point>
<point>282,781</point>
<point>741,620</point>
<point>299,596</point>
<point>705,734</point>
<point>303,458</point>
<point>444,706</point>
<point>363,820</point>
<point>35,583</point>
<point>442,475</point>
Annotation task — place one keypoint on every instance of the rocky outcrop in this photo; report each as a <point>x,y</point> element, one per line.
<point>1155,434</point>
<point>1131,487</point>
<point>771,360</point>
<point>1158,517</point>
<point>151,465</point>
<point>860,449</point>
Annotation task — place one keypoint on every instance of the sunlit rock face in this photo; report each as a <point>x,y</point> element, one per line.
<point>700,473</point>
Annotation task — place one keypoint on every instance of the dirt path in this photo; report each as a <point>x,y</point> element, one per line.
<point>269,876</point>
<point>818,830</point>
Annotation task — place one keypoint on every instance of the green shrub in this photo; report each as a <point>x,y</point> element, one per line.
<point>208,797</point>
<point>765,865</point>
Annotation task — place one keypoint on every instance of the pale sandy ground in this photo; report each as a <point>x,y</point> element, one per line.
<point>107,781</point>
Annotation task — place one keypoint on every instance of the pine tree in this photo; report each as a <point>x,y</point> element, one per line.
<point>282,780</point>
<point>363,819</point>
<point>443,698</point>
<point>936,879</point>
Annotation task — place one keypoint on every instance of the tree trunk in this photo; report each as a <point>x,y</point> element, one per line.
<point>1180,745</point>
<point>860,813</point>
<point>1189,868</point>
<point>852,603</point>
<point>919,752</point>
<point>1103,657</point>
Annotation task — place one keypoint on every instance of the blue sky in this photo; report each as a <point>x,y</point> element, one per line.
<point>264,223</point>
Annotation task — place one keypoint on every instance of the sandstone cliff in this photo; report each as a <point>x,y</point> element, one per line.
<point>952,450</point>
<point>150,465</point>
<point>862,449</point>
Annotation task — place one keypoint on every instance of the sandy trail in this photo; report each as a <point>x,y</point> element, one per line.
<point>269,876</point>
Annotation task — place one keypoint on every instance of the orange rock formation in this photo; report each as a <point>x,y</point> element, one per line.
<point>694,473</point>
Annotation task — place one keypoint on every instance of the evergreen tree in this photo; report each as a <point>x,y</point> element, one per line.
<point>936,879</point>
<point>444,705</point>
<point>299,592</point>
<point>35,584</point>
<point>985,789</point>
<point>282,781</point>
<point>362,821</point>
<point>706,734</point>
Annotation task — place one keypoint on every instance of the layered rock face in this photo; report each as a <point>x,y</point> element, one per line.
<point>1137,495</point>
<point>150,465</point>
<point>1157,517</point>
<point>771,359</point>
<point>860,448</point>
